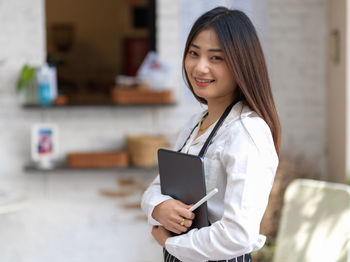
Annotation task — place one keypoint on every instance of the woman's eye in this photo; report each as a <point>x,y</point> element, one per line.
<point>193,53</point>
<point>217,58</point>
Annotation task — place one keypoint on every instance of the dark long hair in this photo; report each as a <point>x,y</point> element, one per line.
<point>245,60</point>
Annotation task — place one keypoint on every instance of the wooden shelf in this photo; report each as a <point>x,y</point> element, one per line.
<point>31,106</point>
<point>32,167</point>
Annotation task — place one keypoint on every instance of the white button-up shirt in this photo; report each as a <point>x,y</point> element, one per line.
<point>241,162</point>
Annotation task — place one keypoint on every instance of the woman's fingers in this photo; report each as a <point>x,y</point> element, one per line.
<point>173,224</point>
<point>184,211</point>
<point>176,230</point>
<point>170,214</point>
<point>188,214</point>
<point>176,226</point>
<point>184,205</point>
<point>183,221</point>
<point>188,223</point>
<point>182,227</point>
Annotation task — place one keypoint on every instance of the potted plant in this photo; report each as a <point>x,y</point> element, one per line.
<point>27,85</point>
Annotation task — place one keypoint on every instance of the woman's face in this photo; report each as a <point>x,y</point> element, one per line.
<point>207,70</point>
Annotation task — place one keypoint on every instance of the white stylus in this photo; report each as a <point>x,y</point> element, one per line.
<point>205,198</point>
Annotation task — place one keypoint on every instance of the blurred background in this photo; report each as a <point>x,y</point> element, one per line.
<point>79,130</point>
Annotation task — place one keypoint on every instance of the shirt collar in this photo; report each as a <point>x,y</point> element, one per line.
<point>239,109</point>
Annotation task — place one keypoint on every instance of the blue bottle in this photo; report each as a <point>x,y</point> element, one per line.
<point>45,97</point>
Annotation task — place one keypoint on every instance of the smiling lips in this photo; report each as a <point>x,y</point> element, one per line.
<point>203,82</point>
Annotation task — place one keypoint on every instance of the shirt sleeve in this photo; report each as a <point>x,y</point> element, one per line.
<point>151,198</point>
<point>250,161</point>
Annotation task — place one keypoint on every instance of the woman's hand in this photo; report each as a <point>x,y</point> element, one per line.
<point>173,215</point>
<point>160,234</point>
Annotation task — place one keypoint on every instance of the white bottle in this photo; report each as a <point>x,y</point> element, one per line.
<point>47,85</point>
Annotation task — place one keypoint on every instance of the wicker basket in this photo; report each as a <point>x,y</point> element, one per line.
<point>98,160</point>
<point>143,149</point>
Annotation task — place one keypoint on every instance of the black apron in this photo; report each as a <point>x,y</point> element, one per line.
<point>244,258</point>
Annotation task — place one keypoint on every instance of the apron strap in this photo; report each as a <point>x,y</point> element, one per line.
<point>213,132</point>
<point>192,132</point>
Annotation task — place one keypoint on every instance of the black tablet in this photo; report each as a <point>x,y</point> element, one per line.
<point>182,178</point>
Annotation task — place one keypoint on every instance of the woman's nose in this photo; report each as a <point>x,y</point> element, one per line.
<point>202,66</point>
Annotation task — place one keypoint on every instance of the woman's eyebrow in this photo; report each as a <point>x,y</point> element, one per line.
<point>210,50</point>
<point>215,50</point>
<point>195,46</point>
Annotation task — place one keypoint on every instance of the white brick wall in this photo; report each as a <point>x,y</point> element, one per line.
<point>296,48</point>
<point>21,41</point>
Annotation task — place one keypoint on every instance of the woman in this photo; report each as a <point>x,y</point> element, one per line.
<point>225,69</point>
